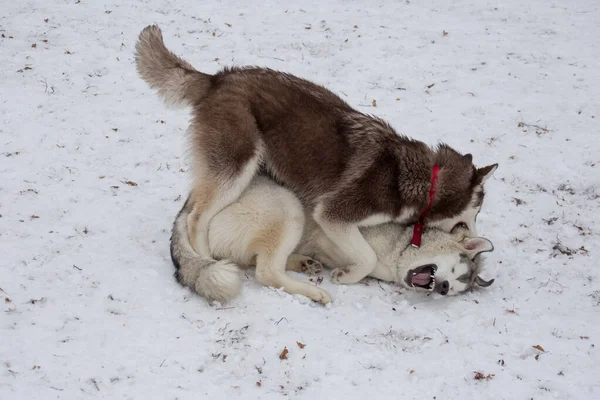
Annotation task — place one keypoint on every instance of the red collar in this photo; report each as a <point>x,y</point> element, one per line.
<point>418,228</point>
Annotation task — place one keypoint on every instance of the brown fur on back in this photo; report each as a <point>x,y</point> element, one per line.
<point>316,144</point>
<point>307,138</point>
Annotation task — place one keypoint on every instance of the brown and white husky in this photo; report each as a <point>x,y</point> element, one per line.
<point>352,170</point>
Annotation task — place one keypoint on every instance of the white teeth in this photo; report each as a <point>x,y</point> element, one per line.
<point>431,276</point>
<point>414,273</point>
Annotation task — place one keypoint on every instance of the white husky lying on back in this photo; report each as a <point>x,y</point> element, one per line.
<point>268,228</point>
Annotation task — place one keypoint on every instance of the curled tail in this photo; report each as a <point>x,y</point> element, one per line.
<point>210,278</point>
<point>178,83</point>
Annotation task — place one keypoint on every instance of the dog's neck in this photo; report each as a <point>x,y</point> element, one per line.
<point>416,168</point>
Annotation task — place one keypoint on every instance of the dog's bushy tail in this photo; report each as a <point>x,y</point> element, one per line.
<point>178,83</point>
<point>212,279</point>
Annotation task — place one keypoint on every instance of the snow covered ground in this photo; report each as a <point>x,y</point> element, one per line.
<point>92,172</point>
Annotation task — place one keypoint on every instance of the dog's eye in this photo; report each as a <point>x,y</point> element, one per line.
<point>460,225</point>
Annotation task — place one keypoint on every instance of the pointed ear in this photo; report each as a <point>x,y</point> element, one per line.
<point>485,172</point>
<point>468,158</point>
<point>483,283</point>
<point>477,245</point>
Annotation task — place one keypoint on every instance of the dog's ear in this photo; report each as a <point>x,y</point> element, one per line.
<point>477,245</point>
<point>483,283</point>
<point>468,158</point>
<point>484,173</point>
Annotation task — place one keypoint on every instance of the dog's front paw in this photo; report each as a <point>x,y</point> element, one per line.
<point>349,274</point>
<point>304,264</point>
<point>319,295</point>
<point>311,267</point>
<point>340,275</point>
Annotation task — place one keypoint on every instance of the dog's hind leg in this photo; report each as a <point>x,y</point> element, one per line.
<point>213,196</point>
<point>270,271</point>
<point>274,246</point>
<point>227,153</point>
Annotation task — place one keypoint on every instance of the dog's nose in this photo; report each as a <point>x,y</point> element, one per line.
<point>444,288</point>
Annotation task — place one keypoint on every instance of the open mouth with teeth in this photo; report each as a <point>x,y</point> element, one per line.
<point>422,277</point>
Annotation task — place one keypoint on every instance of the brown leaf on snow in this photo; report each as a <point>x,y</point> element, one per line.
<point>374,103</point>
<point>34,45</point>
<point>258,383</point>
<point>412,371</point>
<point>34,216</point>
<point>301,345</point>
<point>430,86</point>
<point>45,19</point>
<point>480,376</point>
<point>131,183</point>
<point>540,348</point>
<point>7,300</point>
<point>444,33</point>
<point>283,354</point>
<point>511,311</point>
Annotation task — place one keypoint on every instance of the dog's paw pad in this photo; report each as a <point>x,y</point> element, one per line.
<point>310,266</point>
<point>304,264</point>
<point>338,274</point>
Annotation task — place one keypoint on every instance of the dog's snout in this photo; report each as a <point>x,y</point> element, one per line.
<point>444,288</point>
